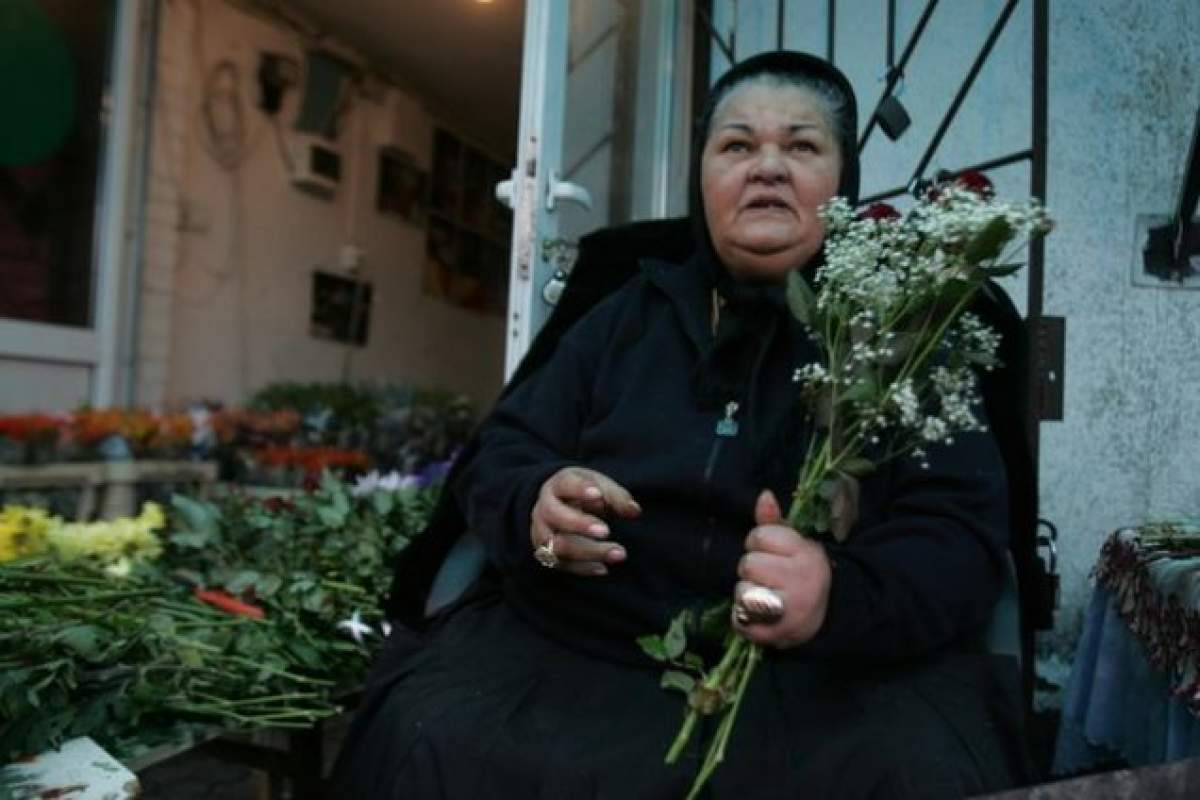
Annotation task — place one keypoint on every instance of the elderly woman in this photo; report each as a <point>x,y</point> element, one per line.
<point>634,474</point>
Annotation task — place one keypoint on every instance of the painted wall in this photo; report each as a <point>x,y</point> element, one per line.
<point>1124,88</point>
<point>230,252</point>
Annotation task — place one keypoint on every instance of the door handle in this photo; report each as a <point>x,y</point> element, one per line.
<point>504,192</point>
<point>565,190</point>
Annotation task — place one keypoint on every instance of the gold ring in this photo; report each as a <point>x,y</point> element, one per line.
<point>544,553</point>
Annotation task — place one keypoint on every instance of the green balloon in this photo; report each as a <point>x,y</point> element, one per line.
<point>37,84</point>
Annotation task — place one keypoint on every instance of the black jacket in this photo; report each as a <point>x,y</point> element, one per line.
<point>921,571</point>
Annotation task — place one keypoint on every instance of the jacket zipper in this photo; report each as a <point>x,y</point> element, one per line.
<point>725,429</point>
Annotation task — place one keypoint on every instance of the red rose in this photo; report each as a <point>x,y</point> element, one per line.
<point>276,504</point>
<point>976,182</point>
<point>879,211</point>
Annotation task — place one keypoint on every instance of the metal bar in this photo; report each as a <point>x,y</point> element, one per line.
<point>982,166</point>
<point>897,71</point>
<point>779,13</point>
<point>701,56</point>
<point>1185,210</point>
<point>952,112</point>
<point>830,29</point>
<point>705,16</point>
<point>891,35</point>
<point>1037,188</point>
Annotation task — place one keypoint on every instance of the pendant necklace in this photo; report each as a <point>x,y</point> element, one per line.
<point>728,426</point>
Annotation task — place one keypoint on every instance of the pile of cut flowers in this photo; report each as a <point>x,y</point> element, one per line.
<point>237,610</point>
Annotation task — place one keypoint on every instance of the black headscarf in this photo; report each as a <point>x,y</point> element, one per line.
<point>753,314</point>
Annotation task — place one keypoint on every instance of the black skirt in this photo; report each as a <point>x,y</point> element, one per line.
<point>487,707</point>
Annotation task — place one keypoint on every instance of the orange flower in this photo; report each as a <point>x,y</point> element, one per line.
<point>173,431</point>
<point>89,427</point>
<point>312,460</point>
<point>228,603</point>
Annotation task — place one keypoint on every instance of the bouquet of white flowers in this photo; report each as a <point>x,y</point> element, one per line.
<point>898,373</point>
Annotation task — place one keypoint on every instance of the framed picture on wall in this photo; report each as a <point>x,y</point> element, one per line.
<point>447,173</point>
<point>469,231</point>
<point>476,197</point>
<point>403,188</point>
<point>341,308</point>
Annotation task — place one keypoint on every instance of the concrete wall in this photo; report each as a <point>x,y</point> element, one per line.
<point>230,253</point>
<point>1124,88</point>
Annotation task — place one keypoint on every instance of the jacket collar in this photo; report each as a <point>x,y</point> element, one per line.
<point>687,287</point>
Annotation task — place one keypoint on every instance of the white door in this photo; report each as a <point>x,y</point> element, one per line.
<point>603,137</point>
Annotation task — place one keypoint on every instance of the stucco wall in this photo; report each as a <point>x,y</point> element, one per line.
<point>1124,88</point>
<point>230,253</point>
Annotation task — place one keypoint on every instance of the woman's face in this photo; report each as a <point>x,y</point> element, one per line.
<point>770,161</point>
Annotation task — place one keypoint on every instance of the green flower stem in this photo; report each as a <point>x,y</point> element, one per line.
<point>716,749</point>
<point>281,719</point>
<point>713,682</point>
<point>42,602</point>
<point>684,736</point>
<point>29,574</point>
<point>347,587</point>
<point>255,701</point>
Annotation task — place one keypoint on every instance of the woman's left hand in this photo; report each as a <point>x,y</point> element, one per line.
<point>794,567</point>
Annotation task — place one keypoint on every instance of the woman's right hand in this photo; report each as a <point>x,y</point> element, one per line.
<point>568,510</point>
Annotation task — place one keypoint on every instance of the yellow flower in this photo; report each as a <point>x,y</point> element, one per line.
<point>152,516</point>
<point>113,544</point>
<point>24,531</point>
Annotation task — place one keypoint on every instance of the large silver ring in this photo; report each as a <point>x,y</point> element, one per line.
<point>544,553</point>
<point>758,606</point>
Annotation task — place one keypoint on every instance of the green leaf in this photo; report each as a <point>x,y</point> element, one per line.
<point>306,654</point>
<point>681,681</point>
<point>863,390</point>
<point>1000,270</point>
<point>193,539</point>
<point>693,661</point>
<point>161,623</point>
<point>242,581</point>
<point>189,576</point>
<point>858,466</point>
<point>714,621</point>
<point>383,502</point>
<point>83,639</point>
<point>801,300</point>
<point>652,645</point>
<point>988,243</point>
<point>200,519</point>
<point>951,294</point>
<point>314,600</point>
<point>675,640</point>
<point>268,585</point>
<point>333,516</point>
